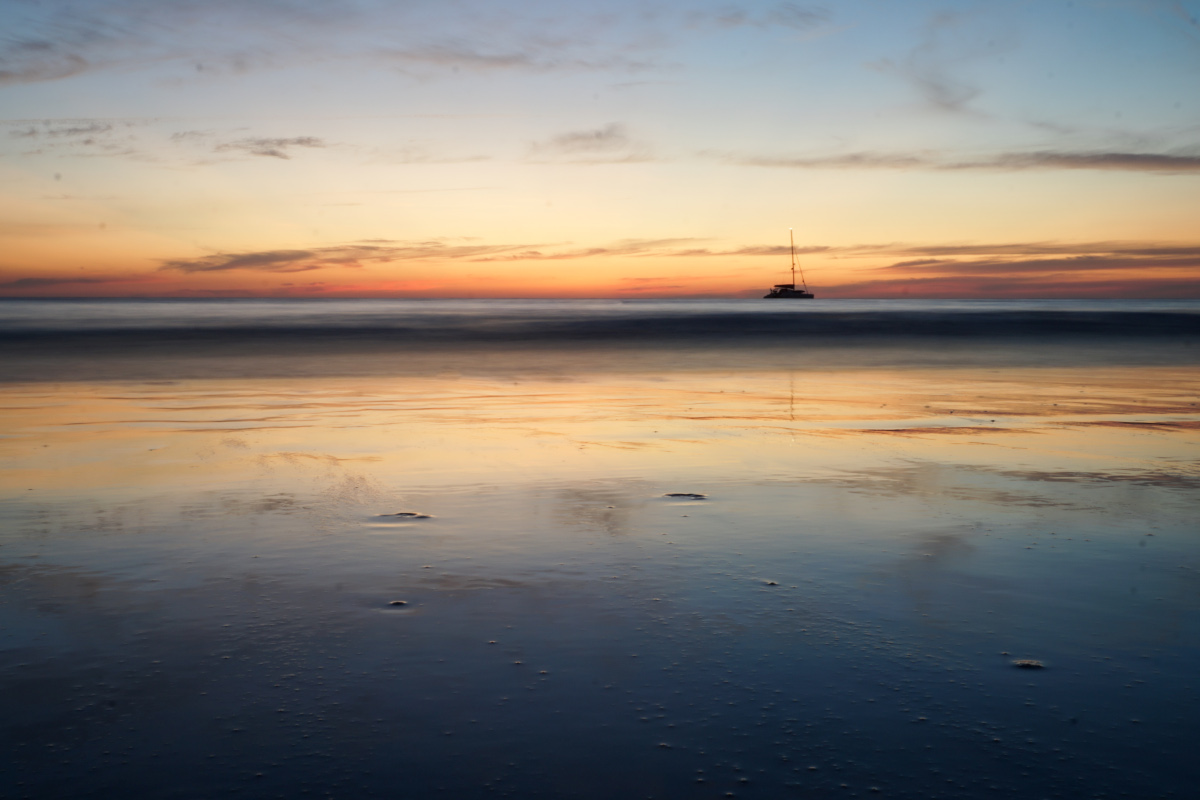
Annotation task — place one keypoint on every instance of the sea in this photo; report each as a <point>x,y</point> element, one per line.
<point>599,548</point>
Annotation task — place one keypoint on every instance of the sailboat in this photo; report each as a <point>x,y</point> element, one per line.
<point>789,289</point>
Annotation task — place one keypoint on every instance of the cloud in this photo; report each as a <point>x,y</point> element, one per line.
<point>63,129</point>
<point>526,56</point>
<point>35,283</point>
<point>610,138</point>
<point>461,56</point>
<point>340,256</point>
<point>1163,163</point>
<point>266,261</point>
<point>1097,160</point>
<point>1023,257</point>
<point>1051,260</point>
<point>1080,263</point>
<point>1069,256</point>
<point>791,15</point>
<point>1007,269</point>
<point>937,66</point>
<point>624,247</point>
<point>1019,256</point>
<point>34,60</point>
<point>953,286</point>
<point>76,137</point>
<point>786,15</point>
<point>380,251</point>
<point>1044,248</point>
<point>1030,269</point>
<point>604,145</point>
<point>59,39</point>
<point>149,140</point>
<point>746,250</point>
<point>271,147</point>
<point>842,161</point>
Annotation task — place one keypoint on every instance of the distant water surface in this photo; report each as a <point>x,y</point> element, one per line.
<point>529,317</point>
<point>69,339</point>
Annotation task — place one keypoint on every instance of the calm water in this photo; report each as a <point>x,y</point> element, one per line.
<point>200,549</point>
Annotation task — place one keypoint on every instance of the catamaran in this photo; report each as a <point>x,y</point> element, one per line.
<point>789,289</point>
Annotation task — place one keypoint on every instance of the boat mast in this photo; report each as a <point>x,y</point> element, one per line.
<point>803,282</point>
<point>792,239</point>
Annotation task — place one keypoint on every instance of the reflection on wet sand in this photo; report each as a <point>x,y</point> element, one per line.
<point>200,577</point>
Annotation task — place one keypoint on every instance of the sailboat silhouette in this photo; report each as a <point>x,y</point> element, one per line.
<point>789,289</point>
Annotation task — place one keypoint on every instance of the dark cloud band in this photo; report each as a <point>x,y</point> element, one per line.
<point>1165,163</point>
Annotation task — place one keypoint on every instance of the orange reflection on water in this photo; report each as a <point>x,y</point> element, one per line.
<point>509,426</point>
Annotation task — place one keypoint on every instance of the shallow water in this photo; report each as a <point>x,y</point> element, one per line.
<point>200,553</point>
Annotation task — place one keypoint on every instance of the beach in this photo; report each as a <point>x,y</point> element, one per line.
<point>596,550</point>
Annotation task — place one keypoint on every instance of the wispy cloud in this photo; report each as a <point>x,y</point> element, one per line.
<point>937,66</point>
<point>77,137</point>
<point>34,283</point>
<point>462,56</point>
<point>862,160</point>
<point>380,251</point>
<point>952,286</point>
<point>264,261</point>
<point>786,15</point>
<point>1081,263</point>
<point>1004,269</point>
<point>147,140</point>
<point>625,247</point>
<point>1029,269</point>
<point>966,259</point>
<point>529,56</point>
<point>745,250</point>
<point>340,256</point>
<point>793,15</point>
<point>61,129</point>
<point>1163,163</point>
<point>277,147</point>
<point>1098,160</point>
<point>217,141</point>
<point>608,144</point>
<point>1049,262</point>
<point>1136,250</point>
<point>22,286</point>
<point>33,61</point>
<point>59,39</point>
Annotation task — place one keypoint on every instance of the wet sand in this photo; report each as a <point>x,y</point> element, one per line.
<point>201,562</point>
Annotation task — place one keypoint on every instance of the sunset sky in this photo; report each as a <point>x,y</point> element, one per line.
<point>464,148</point>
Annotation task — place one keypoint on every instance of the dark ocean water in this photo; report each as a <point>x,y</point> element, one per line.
<point>158,339</point>
<point>553,320</point>
<point>672,550</point>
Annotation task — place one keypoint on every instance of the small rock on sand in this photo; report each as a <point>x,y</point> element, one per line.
<point>398,603</point>
<point>1028,663</point>
<point>686,495</point>
<point>407,515</point>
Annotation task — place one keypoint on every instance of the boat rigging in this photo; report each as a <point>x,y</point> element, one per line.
<point>781,290</point>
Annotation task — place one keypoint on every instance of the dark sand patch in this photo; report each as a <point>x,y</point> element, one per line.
<point>1181,425</point>
<point>1169,480</point>
<point>944,430</point>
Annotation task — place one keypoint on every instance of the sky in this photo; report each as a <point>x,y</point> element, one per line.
<point>520,148</point>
